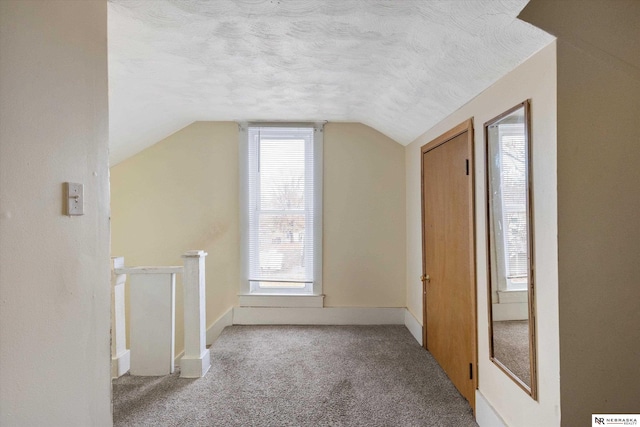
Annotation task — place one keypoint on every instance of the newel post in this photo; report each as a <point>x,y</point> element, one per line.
<point>120,356</point>
<point>196,360</point>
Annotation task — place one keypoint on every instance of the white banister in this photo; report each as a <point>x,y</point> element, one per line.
<point>196,360</point>
<point>152,318</point>
<point>120,361</point>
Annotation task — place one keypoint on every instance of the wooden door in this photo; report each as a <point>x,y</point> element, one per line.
<point>449,257</point>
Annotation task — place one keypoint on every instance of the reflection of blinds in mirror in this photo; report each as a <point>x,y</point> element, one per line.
<point>281,204</point>
<point>514,198</point>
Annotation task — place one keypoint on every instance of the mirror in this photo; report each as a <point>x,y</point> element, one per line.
<point>511,304</point>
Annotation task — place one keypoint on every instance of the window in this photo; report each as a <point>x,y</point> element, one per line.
<point>512,155</point>
<point>283,233</point>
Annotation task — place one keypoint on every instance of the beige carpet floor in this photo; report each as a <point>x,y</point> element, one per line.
<point>511,347</point>
<point>301,376</point>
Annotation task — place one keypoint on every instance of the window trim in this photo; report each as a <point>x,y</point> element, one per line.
<point>243,169</point>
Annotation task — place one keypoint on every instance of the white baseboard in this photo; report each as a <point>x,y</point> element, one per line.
<point>486,416</point>
<point>176,359</point>
<point>121,364</point>
<point>511,311</point>
<point>195,367</point>
<point>318,316</point>
<point>301,301</point>
<point>314,316</point>
<point>413,325</point>
<point>214,331</point>
<point>510,297</point>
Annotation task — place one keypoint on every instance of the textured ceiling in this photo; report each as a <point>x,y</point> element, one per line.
<point>399,66</point>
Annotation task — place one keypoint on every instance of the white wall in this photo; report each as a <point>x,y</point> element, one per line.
<point>54,269</point>
<point>534,79</point>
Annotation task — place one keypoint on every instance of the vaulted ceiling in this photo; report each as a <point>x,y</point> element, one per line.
<point>399,66</point>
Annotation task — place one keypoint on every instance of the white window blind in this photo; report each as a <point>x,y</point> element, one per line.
<point>281,211</point>
<point>514,203</point>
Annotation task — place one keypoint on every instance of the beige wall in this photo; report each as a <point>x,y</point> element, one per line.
<point>182,193</point>
<point>54,269</point>
<point>598,203</point>
<point>364,218</point>
<point>177,195</point>
<point>535,79</point>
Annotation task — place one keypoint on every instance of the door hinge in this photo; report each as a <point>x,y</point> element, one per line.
<point>467,162</point>
<point>470,371</point>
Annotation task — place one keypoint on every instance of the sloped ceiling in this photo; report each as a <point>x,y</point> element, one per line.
<point>399,66</point>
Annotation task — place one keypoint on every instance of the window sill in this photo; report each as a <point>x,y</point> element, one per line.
<point>274,300</point>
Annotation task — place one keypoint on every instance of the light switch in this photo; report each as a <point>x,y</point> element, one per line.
<point>75,199</point>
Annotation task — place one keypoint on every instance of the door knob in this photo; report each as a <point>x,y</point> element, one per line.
<point>425,278</point>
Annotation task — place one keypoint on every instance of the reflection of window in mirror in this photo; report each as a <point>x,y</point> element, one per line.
<point>511,305</point>
<point>512,224</point>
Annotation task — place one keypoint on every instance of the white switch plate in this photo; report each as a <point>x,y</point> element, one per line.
<point>75,199</point>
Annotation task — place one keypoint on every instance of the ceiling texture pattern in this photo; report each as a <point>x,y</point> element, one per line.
<point>399,66</point>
